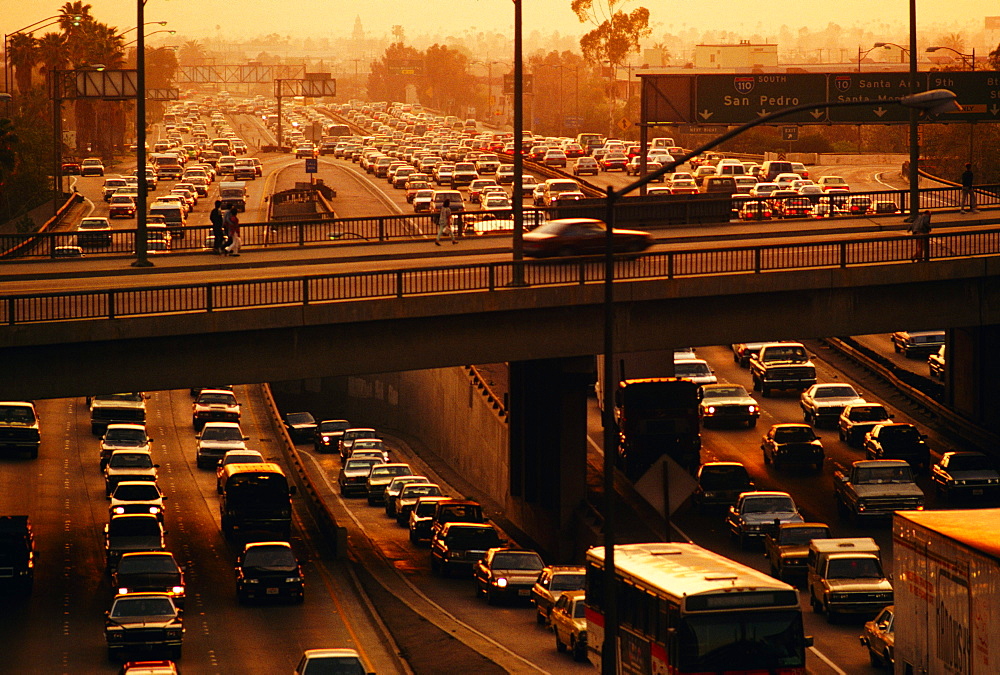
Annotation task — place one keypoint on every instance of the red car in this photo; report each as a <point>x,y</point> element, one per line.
<point>614,161</point>
<point>581,236</point>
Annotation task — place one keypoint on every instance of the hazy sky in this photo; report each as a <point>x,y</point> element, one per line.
<point>333,18</point>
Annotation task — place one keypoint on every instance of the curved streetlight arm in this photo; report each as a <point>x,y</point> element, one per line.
<point>148,23</point>
<point>172,32</point>
<point>35,26</point>
<point>934,102</point>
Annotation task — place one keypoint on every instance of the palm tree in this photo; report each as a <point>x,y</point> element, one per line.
<point>23,49</point>
<point>72,15</point>
<point>192,53</point>
<point>52,52</point>
<point>8,150</point>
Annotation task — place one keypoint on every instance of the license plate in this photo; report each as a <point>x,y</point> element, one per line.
<point>977,491</point>
<point>523,592</point>
<point>272,591</point>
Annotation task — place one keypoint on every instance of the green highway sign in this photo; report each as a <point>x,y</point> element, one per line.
<point>874,87</point>
<point>736,99</point>
<point>978,93</point>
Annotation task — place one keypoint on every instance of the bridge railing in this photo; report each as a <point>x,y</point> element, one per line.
<point>651,212</point>
<point>488,277</point>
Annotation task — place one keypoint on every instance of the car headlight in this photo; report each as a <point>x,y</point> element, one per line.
<point>292,580</point>
<point>119,509</point>
<point>326,439</point>
<point>501,582</point>
<point>174,633</point>
<point>122,591</point>
<point>752,409</point>
<point>154,510</point>
<point>710,410</point>
<point>252,581</point>
<point>114,634</point>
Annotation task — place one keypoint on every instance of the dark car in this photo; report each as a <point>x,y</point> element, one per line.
<point>860,418</point>
<point>143,622</point>
<point>300,426</point>
<point>353,478</point>
<point>727,404</point>
<point>785,444</point>
<point>898,440</point>
<point>506,573</point>
<point>268,570</point>
<point>457,546</point>
<point>326,437</point>
<point>421,516</point>
<point>720,484</point>
<point>966,474</point>
<point>150,571</point>
<point>916,343</point>
<point>581,236</point>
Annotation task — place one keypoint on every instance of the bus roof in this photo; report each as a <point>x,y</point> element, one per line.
<point>256,467</point>
<point>679,570</point>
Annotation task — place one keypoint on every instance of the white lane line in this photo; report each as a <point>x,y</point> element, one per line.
<point>406,581</point>
<point>827,661</point>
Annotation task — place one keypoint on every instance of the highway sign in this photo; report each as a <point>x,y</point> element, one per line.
<point>978,93</point>
<point>624,124</point>
<point>874,87</point>
<point>789,133</point>
<point>312,165</point>
<point>527,83</point>
<point>736,99</point>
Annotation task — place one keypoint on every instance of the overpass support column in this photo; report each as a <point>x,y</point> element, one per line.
<point>972,373</point>
<point>548,447</point>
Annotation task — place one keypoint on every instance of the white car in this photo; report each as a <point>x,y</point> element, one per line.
<point>696,370</point>
<point>216,439</point>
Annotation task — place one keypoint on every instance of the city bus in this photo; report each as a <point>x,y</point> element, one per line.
<point>256,498</point>
<point>684,609</point>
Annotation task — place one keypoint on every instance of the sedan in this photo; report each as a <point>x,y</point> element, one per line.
<point>581,236</point>
<point>966,474</point>
<point>727,403</point>
<point>586,165</point>
<point>353,478</point>
<point>614,161</point>
<point>898,440</point>
<point>325,661</point>
<point>326,438</point>
<point>755,210</point>
<point>300,426</point>
<point>823,403</point>
<point>139,496</point>
<point>554,157</point>
<point>92,166</point>
<point>792,444</point>
<point>267,570</point>
<point>569,623</point>
<point>508,573</point>
<point>880,639</point>
<point>553,581</point>
<point>121,206</point>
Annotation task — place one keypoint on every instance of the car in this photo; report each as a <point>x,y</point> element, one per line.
<point>394,488</point>
<point>214,405</point>
<point>880,640</point>
<point>858,419</point>
<point>936,363</point>
<point>917,343</point>
<point>422,517</point>
<point>496,203</point>
<point>563,197</point>
<point>827,210</point>
<point>758,512</point>
<point>554,157</point>
<point>858,205</point>
<point>487,164</point>
<point>721,404</point>
<point>166,667</point>
<point>269,570</point>
<point>763,190</point>
<point>755,209</point>
<point>455,201</point>
<point>380,476</point>
<point>457,546</point>
<point>70,166</point>
<point>110,185</point>
<point>830,183</point>
<point>143,622</point>
<point>720,484</point>
<point>119,436</point>
<point>696,370</point>
<point>785,180</point>
<point>744,184</point>
<point>552,582</point>
<point>121,206</point>
<point>131,532</point>
<point>215,440</point>
<point>703,172</point>
<point>241,456</point>
<point>966,475</point>
<point>795,207</point>
<point>94,232</point>
<point>301,426</point>
<point>150,572</point>
<point>353,476</point>
<point>569,624</point>
<point>898,440</point>
<point>370,447</point>
<point>128,465</point>
<point>742,351</point>
<point>303,150</point>
<point>408,497</point>
<point>476,188</point>
<point>883,206</point>
<point>506,573</point>
<point>327,436</point>
<point>823,403</point>
<point>683,186</point>
<point>339,661</point>
<point>347,438</point>
<point>137,496</point>
<point>422,200</point>
<point>581,236</point>
<point>505,174</point>
<point>785,444</point>
<point>67,252</point>
<point>613,161</point>
<point>92,166</point>
<point>586,165</point>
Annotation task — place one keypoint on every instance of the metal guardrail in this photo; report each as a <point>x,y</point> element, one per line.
<point>487,277</point>
<point>660,211</point>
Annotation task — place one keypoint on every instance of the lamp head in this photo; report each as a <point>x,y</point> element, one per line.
<point>933,102</point>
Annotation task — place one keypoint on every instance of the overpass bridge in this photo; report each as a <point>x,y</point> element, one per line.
<point>366,315</point>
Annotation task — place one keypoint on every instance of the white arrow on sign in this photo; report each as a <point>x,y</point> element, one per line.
<point>705,114</point>
<point>816,114</point>
<point>879,111</point>
<point>762,112</point>
<point>995,109</point>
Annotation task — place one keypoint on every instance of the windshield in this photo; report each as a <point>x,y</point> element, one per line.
<point>885,474</point>
<point>974,462</point>
<point>270,557</point>
<point>386,471</point>
<point>901,435</point>
<point>745,641</point>
<point>724,478</point>
<point>800,536</point>
<point>691,369</point>
<point>568,582</point>
<point>786,354</point>
<point>768,505</point>
<point>132,397</point>
<point>128,607</point>
<point>872,413</point>
<point>854,568</point>
<point>839,391</point>
<point>476,540</point>
<point>517,561</point>
<point>131,460</point>
<point>214,433</point>
<point>137,492</point>
<point>414,491</point>
<point>334,665</point>
<point>725,392</point>
<point>147,564</point>
<point>332,426</point>
<point>17,414</point>
<point>217,399</point>
<point>242,458</point>
<point>794,435</point>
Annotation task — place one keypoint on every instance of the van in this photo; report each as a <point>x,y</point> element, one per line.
<point>233,193</point>
<point>845,576</point>
<point>173,217</point>
<point>664,142</point>
<point>723,185</point>
<point>771,168</point>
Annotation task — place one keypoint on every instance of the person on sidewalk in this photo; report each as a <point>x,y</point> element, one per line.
<point>920,228</point>
<point>232,223</point>
<point>444,223</point>
<point>218,231</point>
<point>968,192</point>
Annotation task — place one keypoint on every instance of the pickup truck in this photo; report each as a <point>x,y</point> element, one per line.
<point>845,576</point>
<point>876,487</point>
<point>782,365</point>
<point>788,546</point>
<point>126,408</point>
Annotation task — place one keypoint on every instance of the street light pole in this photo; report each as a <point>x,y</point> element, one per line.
<point>518,202</point>
<point>142,254</point>
<point>914,176</point>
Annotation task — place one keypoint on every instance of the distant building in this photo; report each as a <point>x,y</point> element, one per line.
<point>731,57</point>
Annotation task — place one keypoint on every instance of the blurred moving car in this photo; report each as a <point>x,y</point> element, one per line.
<point>581,236</point>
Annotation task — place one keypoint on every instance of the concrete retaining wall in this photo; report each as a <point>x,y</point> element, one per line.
<point>830,159</point>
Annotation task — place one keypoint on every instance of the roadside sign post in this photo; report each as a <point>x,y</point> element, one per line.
<point>312,167</point>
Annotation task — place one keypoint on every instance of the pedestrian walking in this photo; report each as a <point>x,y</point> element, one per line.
<point>920,228</point>
<point>968,193</point>
<point>444,223</point>
<point>232,223</point>
<point>218,230</point>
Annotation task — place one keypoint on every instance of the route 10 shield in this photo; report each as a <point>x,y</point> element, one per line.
<point>737,99</point>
